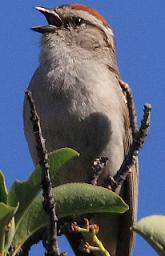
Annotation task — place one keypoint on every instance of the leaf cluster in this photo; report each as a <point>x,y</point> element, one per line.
<point>21,209</point>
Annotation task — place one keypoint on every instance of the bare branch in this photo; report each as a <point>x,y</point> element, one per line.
<point>138,141</point>
<point>98,166</point>
<point>131,106</point>
<point>52,248</point>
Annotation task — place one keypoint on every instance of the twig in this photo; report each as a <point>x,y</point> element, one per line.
<point>92,230</point>
<point>131,106</point>
<point>137,143</point>
<point>97,167</point>
<point>52,248</point>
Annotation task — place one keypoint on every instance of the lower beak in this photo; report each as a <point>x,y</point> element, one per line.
<point>44,29</point>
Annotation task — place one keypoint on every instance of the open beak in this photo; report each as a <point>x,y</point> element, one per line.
<point>53,19</point>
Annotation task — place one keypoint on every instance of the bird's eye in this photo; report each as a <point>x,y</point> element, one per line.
<point>77,21</point>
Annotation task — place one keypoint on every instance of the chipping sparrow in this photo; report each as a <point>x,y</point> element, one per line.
<point>81,105</point>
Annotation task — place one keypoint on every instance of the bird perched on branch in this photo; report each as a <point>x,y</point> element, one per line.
<point>81,105</point>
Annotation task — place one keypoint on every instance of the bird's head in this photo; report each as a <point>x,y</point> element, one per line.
<point>76,25</point>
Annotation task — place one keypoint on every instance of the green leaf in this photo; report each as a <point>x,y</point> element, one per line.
<point>3,189</point>
<point>72,199</point>
<point>9,234</point>
<point>6,215</point>
<point>25,192</point>
<point>152,229</point>
<point>77,198</point>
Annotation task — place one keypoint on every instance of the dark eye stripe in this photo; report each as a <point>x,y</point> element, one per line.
<point>74,21</point>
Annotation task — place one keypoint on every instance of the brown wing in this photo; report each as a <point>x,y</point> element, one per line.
<point>130,196</point>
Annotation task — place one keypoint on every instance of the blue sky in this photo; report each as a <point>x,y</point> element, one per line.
<point>140,37</point>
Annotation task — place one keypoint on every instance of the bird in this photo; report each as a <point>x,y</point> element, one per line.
<point>78,97</point>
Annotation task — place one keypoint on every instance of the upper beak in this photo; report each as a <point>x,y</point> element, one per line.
<point>54,20</point>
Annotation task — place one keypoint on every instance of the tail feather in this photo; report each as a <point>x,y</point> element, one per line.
<point>130,195</point>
